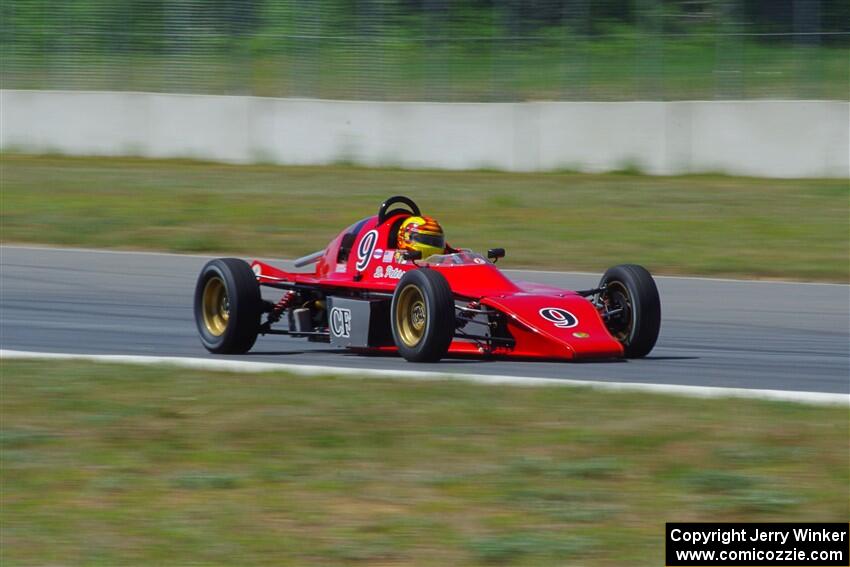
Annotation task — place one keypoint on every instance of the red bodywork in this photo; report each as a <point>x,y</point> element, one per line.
<point>369,267</point>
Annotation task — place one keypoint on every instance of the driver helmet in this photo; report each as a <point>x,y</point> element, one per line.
<point>423,234</point>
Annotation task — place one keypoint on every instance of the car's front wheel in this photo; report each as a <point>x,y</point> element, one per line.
<point>227,306</point>
<point>631,307</point>
<point>423,316</point>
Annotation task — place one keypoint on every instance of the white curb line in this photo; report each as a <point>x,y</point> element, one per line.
<point>814,398</point>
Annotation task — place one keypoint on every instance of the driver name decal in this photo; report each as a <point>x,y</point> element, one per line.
<point>389,272</point>
<point>365,249</point>
<point>340,322</point>
<point>562,318</point>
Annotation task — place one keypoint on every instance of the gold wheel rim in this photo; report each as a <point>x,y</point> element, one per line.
<point>411,315</point>
<point>216,307</point>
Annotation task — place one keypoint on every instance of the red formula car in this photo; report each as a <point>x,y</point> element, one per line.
<point>366,295</point>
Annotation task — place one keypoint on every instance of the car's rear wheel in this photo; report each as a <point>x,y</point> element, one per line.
<point>631,307</point>
<point>423,316</point>
<point>227,306</point>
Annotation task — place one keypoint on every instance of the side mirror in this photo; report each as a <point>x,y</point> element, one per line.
<point>411,255</point>
<point>495,253</point>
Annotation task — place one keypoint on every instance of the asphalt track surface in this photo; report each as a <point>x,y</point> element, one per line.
<point>721,333</point>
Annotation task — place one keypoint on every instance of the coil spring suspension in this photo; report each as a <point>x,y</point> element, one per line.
<point>280,306</point>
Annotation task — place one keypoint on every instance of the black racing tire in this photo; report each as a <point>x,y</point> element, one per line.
<point>422,316</point>
<point>632,288</point>
<point>227,306</point>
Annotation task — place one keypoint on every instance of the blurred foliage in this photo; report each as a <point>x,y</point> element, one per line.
<point>115,465</point>
<point>432,49</point>
<point>713,225</point>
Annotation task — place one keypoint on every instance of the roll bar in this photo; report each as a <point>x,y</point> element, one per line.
<point>385,206</point>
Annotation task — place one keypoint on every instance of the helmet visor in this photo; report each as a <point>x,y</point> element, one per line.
<point>435,240</point>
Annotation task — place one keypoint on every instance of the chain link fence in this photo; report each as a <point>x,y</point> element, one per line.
<point>440,50</point>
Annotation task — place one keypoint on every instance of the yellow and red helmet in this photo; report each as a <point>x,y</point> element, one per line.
<point>423,234</point>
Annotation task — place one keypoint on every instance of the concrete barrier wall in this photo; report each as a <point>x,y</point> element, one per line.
<point>758,138</point>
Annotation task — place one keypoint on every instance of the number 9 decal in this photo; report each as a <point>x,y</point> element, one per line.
<point>562,318</point>
<point>365,248</point>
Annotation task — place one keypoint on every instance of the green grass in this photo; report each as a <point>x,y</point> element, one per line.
<point>624,66</point>
<point>108,464</point>
<point>712,225</point>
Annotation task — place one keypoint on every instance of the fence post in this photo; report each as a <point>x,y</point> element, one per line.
<point>727,68</point>
<point>807,67</point>
<point>575,65</point>
<point>650,66</point>
<point>506,42</point>
<point>434,75</point>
